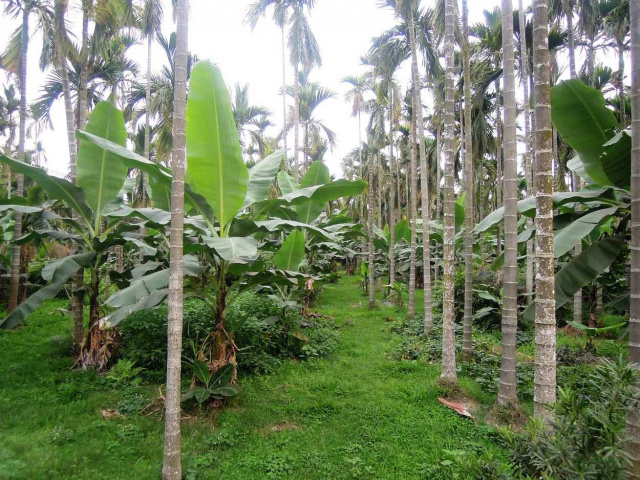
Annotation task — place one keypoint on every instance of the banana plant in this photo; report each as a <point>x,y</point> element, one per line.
<point>85,220</point>
<point>230,217</point>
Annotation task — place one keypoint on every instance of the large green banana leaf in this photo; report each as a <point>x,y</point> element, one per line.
<point>245,227</point>
<point>318,174</point>
<point>215,168</point>
<point>147,291</point>
<point>291,253</point>
<point>232,248</point>
<point>567,238</point>
<point>321,193</point>
<point>287,183</point>
<point>100,173</point>
<point>261,178</point>
<point>57,273</point>
<point>582,270</point>
<point>527,207</point>
<point>56,188</point>
<point>585,123</point>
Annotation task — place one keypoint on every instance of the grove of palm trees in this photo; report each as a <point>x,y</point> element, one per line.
<point>225,255</point>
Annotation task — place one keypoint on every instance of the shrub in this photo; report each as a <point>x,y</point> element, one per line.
<point>144,336</point>
<point>253,320</point>
<point>588,436</point>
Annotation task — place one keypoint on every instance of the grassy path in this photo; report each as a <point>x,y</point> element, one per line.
<point>356,414</point>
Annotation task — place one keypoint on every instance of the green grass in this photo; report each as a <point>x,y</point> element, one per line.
<point>355,414</point>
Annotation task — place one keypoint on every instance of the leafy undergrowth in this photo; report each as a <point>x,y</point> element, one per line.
<point>355,414</point>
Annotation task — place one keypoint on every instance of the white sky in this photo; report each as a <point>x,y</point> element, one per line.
<point>343,29</point>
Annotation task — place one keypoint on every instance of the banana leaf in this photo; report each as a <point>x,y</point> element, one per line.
<point>57,273</point>
<point>215,168</point>
<point>291,253</point>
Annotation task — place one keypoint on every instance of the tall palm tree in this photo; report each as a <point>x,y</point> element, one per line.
<point>448,307</point>
<point>370,220</point>
<point>310,95</point>
<point>633,419</point>
<point>245,114</point>
<point>62,47</point>
<point>467,339</point>
<point>23,9</point>
<point>304,54</point>
<point>150,24</point>
<point>172,467</point>
<point>616,24</point>
<point>526,106</point>
<point>280,17</point>
<point>355,96</point>
<point>545,350</point>
<point>508,381</point>
<point>162,94</point>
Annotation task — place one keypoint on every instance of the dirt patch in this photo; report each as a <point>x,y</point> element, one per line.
<point>512,416</point>
<point>280,427</point>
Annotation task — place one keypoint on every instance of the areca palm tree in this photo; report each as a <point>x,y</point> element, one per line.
<point>310,96</point>
<point>545,351</point>
<point>633,418</point>
<point>508,382</point>
<point>162,95</point>
<point>467,340</point>
<point>246,115</point>
<point>414,31</point>
<point>304,54</point>
<point>22,9</point>
<point>172,467</point>
<point>448,308</point>
<point>150,24</point>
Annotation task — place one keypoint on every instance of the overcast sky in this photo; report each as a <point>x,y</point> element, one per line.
<point>343,28</point>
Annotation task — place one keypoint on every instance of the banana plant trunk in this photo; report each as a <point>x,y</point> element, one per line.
<point>507,394</point>
<point>14,283</point>
<point>449,375</point>
<point>633,418</point>
<point>172,466</point>
<point>545,337</point>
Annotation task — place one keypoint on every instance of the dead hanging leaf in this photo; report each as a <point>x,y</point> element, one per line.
<point>458,407</point>
<point>111,414</point>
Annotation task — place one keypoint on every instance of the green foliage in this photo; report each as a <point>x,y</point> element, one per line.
<point>588,436</point>
<point>124,373</point>
<point>144,336</point>
<point>215,385</point>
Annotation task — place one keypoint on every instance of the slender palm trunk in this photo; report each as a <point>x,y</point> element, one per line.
<point>526,104</point>
<point>284,96</point>
<point>467,338</point>
<point>633,419</point>
<point>392,196</point>
<point>172,467</point>
<point>372,253</point>
<point>413,214</point>
<point>424,182</point>
<point>84,67</point>
<point>448,307</point>
<point>296,121</point>
<point>436,270</point>
<point>545,350</point>
<point>22,132</point>
<point>499,178</point>
<point>507,394</point>
<point>567,6</point>
<point>623,110</point>
<point>77,304</point>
